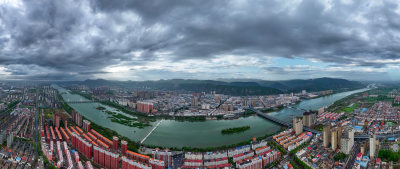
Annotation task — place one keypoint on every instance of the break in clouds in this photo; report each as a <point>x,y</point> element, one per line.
<point>158,39</point>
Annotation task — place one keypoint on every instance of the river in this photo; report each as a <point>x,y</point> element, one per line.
<point>171,133</point>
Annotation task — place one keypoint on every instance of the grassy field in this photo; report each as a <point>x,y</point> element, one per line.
<point>48,113</point>
<point>350,109</point>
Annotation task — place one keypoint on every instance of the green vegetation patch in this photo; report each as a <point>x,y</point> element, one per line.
<point>235,130</point>
<point>273,109</point>
<point>301,163</point>
<point>64,105</point>
<point>142,121</point>
<point>128,121</point>
<point>294,166</point>
<point>339,156</point>
<point>48,113</point>
<point>394,104</point>
<point>389,155</point>
<point>190,118</point>
<point>351,108</point>
<point>377,99</point>
<point>10,107</point>
<point>319,127</point>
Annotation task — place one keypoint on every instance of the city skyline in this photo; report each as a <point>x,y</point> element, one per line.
<point>152,40</point>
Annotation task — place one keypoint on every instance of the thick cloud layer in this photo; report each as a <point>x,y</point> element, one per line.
<point>154,39</point>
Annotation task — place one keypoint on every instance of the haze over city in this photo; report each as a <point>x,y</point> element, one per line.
<point>151,40</point>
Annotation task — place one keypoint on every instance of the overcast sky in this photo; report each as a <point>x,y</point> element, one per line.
<point>199,39</point>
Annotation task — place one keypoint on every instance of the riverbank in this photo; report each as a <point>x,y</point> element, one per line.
<point>106,132</point>
<point>198,134</point>
<point>134,146</point>
<point>124,109</point>
<point>274,109</point>
<point>347,104</point>
<point>335,92</point>
<point>217,148</point>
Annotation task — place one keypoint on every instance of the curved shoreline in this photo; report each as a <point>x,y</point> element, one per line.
<point>193,133</point>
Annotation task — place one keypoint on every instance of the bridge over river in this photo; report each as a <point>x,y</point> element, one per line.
<point>289,124</point>
<point>78,101</point>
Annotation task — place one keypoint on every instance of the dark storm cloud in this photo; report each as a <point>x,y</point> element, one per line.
<point>65,36</point>
<point>267,27</point>
<point>79,38</point>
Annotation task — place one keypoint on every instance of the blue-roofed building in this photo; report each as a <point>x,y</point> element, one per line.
<point>358,128</point>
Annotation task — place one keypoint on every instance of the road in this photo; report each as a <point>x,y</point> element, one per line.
<point>353,155</point>
<point>37,133</point>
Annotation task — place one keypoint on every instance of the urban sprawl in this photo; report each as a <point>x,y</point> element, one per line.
<point>39,129</point>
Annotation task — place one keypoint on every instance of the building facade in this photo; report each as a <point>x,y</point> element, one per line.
<point>297,125</point>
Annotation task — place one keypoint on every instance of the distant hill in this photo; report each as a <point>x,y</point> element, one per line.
<point>298,85</point>
<point>241,87</point>
<point>317,84</point>
<point>321,84</point>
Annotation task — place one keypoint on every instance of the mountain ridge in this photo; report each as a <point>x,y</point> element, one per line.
<point>241,87</point>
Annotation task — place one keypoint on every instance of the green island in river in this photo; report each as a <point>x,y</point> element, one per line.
<point>128,121</point>
<point>235,130</point>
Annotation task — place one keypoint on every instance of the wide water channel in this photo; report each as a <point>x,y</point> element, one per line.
<point>171,133</point>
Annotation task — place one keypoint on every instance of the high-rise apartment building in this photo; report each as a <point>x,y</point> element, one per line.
<point>347,141</point>
<point>334,138</point>
<point>309,118</point>
<point>327,135</point>
<point>163,155</point>
<point>145,106</point>
<point>297,125</point>
<point>372,146</point>
<point>77,118</point>
<point>86,125</point>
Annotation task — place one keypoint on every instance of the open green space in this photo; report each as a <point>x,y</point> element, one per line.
<point>351,108</point>
<point>48,112</point>
<point>342,105</point>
